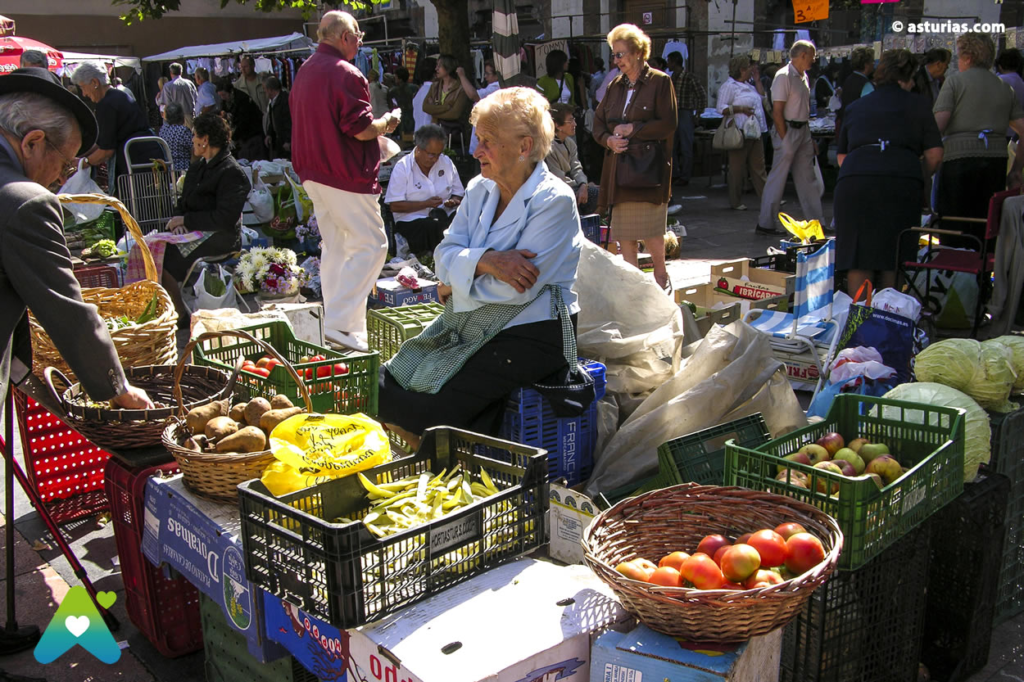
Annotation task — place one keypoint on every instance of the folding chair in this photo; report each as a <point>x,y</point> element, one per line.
<point>979,262</point>
<point>805,330</point>
<point>149,189</point>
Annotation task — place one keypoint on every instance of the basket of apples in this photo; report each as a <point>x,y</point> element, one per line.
<point>710,563</point>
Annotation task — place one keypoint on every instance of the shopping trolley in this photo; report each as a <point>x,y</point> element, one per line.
<point>149,189</point>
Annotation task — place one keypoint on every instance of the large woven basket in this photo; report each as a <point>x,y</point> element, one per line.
<point>149,343</point>
<point>119,429</point>
<point>655,524</point>
<point>213,475</point>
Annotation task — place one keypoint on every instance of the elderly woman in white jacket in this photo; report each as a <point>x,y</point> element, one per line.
<point>740,99</point>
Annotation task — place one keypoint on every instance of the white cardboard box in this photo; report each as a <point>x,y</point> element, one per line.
<point>307,320</point>
<point>569,513</point>
<point>527,621</point>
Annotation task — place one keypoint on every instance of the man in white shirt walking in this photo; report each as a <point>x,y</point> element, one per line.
<point>181,91</point>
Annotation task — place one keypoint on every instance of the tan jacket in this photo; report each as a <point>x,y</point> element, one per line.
<point>564,161</point>
<point>652,111</point>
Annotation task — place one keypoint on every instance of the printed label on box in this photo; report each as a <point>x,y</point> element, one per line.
<point>453,533</point>
<point>617,673</point>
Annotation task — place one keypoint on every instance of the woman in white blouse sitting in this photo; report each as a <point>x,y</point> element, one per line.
<point>739,99</point>
<point>424,191</point>
<point>507,268</point>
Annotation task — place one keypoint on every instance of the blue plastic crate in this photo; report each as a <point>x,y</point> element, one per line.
<point>591,225</point>
<point>570,442</point>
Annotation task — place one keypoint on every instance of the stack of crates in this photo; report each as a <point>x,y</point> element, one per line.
<point>165,610</point>
<point>228,658</point>
<point>1008,460</point>
<point>389,328</point>
<point>570,441</point>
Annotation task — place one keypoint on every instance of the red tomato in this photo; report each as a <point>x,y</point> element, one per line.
<point>272,363</point>
<point>740,562</point>
<point>633,571</point>
<point>340,368</point>
<point>675,560</point>
<point>762,579</point>
<point>788,529</point>
<point>803,552</point>
<point>742,540</point>
<point>317,358</point>
<point>710,544</point>
<point>732,586</point>
<point>323,371</point>
<point>701,570</point>
<point>262,371</point>
<point>666,576</point>
<point>719,553</point>
<point>771,546</point>
<point>646,565</point>
<point>309,374</point>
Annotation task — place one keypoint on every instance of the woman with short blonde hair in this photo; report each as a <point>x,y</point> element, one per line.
<point>507,267</point>
<point>636,123</point>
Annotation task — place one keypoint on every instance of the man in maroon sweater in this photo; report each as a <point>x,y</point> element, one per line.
<point>336,155</point>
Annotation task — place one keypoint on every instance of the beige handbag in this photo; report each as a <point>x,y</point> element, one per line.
<point>727,136</point>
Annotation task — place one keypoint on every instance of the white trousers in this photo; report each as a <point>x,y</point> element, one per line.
<point>354,249</point>
<point>794,153</point>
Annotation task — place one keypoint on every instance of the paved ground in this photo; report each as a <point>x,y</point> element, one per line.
<point>43,574</point>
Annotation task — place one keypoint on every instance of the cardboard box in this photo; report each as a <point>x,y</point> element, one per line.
<point>392,294</point>
<point>644,655</point>
<point>706,298</point>
<point>200,540</point>
<point>749,282</point>
<point>307,320</point>
<point>803,373</point>
<point>569,513</point>
<point>527,621</point>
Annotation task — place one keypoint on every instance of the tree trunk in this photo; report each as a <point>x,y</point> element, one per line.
<point>453,31</point>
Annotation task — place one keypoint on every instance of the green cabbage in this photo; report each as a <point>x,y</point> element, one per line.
<point>984,371</point>
<point>977,432</point>
<point>1016,346</point>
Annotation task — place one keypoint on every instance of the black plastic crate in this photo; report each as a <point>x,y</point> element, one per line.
<point>966,556</point>
<point>1008,460</point>
<point>343,574</point>
<point>864,625</point>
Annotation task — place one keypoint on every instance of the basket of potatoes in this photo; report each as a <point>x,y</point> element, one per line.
<point>220,444</point>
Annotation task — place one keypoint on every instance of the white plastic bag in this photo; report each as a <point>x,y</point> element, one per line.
<point>82,183</point>
<point>261,201</point>
<point>209,301</point>
<point>897,302</point>
<point>751,128</point>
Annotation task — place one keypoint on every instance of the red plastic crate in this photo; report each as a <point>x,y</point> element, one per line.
<point>103,276</point>
<point>166,611</point>
<point>63,467</point>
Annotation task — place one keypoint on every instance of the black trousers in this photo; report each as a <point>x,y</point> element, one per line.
<point>475,398</point>
<point>964,189</point>
<point>424,234</point>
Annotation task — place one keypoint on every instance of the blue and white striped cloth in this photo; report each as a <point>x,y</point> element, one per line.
<point>812,292</point>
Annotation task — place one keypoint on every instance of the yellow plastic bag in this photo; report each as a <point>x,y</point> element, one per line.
<point>802,229</point>
<point>313,448</point>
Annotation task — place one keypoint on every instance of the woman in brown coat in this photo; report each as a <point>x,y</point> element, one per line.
<point>446,101</point>
<point>637,117</point>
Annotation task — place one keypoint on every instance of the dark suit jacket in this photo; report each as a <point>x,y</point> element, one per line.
<point>36,275</point>
<point>279,126</point>
<point>214,194</point>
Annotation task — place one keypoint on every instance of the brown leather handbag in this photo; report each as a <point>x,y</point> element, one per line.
<point>641,166</point>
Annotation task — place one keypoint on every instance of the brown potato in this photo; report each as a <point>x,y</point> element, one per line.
<point>281,402</point>
<point>220,427</point>
<point>198,417</point>
<point>255,409</point>
<point>192,445</point>
<point>238,413</point>
<point>274,417</point>
<point>249,439</point>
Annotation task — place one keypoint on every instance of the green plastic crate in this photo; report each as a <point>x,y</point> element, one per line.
<point>1008,460</point>
<point>612,497</point>
<point>927,439</point>
<point>228,658</point>
<point>700,456</point>
<point>389,328</point>
<point>333,393</point>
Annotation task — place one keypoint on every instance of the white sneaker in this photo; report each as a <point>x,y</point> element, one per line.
<point>674,208</point>
<point>347,341</point>
<point>741,207</point>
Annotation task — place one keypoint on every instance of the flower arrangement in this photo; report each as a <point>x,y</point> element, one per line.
<point>269,270</point>
<point>311,267</point>
<point>309,231</point>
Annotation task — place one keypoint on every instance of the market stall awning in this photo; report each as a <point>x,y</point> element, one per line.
<point>75,58</point>
<point>11,48</point>
<point>295,41</point>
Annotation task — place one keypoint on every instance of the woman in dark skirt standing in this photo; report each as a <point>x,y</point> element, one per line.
<point>878,194</point>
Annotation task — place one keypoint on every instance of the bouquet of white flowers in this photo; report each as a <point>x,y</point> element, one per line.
<point>270,270</point>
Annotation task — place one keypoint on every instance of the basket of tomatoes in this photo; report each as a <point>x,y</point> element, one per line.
<point>338,382</point>
<point>710,563</point>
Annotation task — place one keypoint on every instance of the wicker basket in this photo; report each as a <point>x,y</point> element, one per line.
<point>118,429</point>
<point>149,343</point>
<point>213,475</point>
<point>657,523</point>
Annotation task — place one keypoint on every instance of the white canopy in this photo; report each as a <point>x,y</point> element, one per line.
<point>295,41</point>
<point>76,58</point>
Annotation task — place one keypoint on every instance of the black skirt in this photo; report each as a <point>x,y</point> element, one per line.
<point>475,398</point>
<point>871,211</point>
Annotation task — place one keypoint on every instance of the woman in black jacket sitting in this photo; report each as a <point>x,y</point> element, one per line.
<point>211,202</point>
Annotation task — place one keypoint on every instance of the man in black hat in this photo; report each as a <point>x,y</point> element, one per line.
<point>42,128</point>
